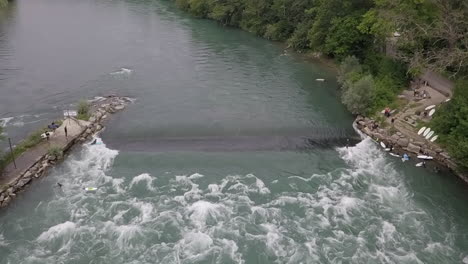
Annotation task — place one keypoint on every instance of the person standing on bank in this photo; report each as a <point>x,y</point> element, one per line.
<point>66,131</point>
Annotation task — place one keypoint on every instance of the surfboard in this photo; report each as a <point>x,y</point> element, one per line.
<point>320,80</point>
<point>387,149</point>
<point>430,135</point>
<point>419,164</point>
<point>426,131</point>
<point>394,155</point>
<point>425,157</point>
<point>90,189</point>
<point>382,145</point>
<point>430,107</point>
<point>448,100</point>
<point>432,112</point>
<point>434,138</point>
<point>421,130</point>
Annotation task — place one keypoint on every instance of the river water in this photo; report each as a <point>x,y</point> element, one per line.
<point>231,152</point>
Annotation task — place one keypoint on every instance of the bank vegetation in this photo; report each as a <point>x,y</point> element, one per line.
<point>380,44</point>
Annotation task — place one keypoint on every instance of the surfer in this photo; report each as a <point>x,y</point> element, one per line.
<point>94,142</point>
<point>424,164</point>
<point>347,142</point>
<point>390,147</point>
<point>59,185</point>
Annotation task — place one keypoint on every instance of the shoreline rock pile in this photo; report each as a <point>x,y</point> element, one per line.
<point>402,143</point>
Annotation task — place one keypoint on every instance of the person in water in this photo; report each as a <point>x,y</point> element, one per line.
<point>59,185</point>
<point>406,157</point>
<point>94,142</point>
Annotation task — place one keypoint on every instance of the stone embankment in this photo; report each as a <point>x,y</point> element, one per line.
<point>405,144</point>
<point>101,108</point>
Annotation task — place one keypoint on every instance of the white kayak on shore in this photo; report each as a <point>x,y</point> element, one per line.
<point>320,80</point>
<point>425,157</point>
<point>394,155</point>
<point>426,131</point>
<point>430,107</point>
<point>430,135</point>
<point>419,164</point>
<point>90,189</point>
<point>434,138</point>
<point>431,112</point>
<point>421,130</point>
<point>383,145</point>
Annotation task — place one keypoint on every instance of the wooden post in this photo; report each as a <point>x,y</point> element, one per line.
<point>12,154</point>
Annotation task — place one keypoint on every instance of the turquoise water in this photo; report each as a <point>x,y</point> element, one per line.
<point>231,152</point>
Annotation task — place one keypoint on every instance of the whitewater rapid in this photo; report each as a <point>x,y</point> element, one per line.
<point>361,213</point>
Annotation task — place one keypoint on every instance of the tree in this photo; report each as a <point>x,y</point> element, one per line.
<point>359,95</point>
<point>451,122</point>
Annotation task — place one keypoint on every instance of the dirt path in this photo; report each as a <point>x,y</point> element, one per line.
<point>31,156</point>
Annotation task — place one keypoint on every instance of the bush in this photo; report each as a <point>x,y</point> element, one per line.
<point>83,110</point>
<point>55,151</point>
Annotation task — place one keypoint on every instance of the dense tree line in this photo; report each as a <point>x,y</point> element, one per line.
<point>418,34</point>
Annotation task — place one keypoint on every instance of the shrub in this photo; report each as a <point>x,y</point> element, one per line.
<point>83,110</point>
<point>55,151</point>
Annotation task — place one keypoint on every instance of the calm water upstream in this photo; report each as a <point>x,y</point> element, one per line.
<point>231,152</point>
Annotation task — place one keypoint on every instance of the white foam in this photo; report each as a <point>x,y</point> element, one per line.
<point>195,176</point>
<point>63,230</point>
<point>195,243</point>
<point>204,213</point>
<point>127,235</point>
<point>122,71</point>
<point>4,121</point>
<point>145,177</point>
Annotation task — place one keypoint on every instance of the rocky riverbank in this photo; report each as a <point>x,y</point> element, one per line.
<point>406,144</point>
<point>101,108</point>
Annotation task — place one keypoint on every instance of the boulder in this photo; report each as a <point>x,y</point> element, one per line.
<point>22,182</point>
<point>413,148</point>
<point>6,200</point>
<point>51,157</point>
<point>445,155</point>
<point>394,138</point>
<point>88,131</point>
<point>104,117</point>
<point>399,134</point>
<point>361,123</point>
<point>9,191</point>
<point>92,119</point>
<point>98,127</point>
<point>418,143</point>
<point>403,142</point>
<point>430,152</point>
<point>439,150</point>
<point>119,107</point>
<point>2,197</point>
<point>27,174</point>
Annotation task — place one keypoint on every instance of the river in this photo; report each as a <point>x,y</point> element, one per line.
<point>231,152</point>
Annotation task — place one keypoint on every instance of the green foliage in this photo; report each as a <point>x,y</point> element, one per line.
<point>359,95</point>
<point>31,141</point>
<point>451,122</point>
<point>83,110</point>
<point>55,151</point>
